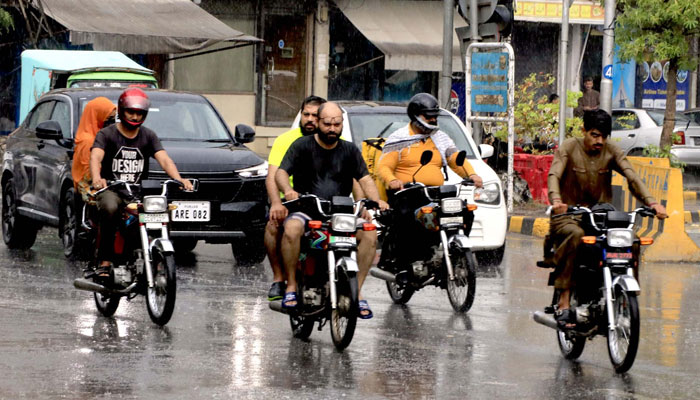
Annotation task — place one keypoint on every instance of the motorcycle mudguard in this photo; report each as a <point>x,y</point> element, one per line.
<point>627,283</point>
<point>164,245</point>
<point>348,264</point>
<point>460,241</point>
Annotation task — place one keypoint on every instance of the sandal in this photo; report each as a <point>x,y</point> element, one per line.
<point>289,297</point>
<point>566,319</point>
<point>102,272</point>
<point>276,291</point>
<point>364,307</point>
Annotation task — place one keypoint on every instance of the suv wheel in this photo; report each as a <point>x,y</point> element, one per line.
<point>184,245</point>
<point>75,244</point>
<point>249,251</point>
<point>18,232</point>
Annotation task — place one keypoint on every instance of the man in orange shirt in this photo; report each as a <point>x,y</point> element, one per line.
<point>403,149</point>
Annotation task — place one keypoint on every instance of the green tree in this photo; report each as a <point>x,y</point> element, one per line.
<point>650,30</point>
<point>6,22</point>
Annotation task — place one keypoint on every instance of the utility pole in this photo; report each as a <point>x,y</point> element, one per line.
<point>608,48</point>
<point>447,29</point>
<point>563,79</point>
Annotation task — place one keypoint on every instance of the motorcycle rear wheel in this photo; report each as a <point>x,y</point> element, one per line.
<point>107,304</point>
<point>399,294</point>
<point>462,289</point>
<point>344,317</point>
<point>160,299</point>
<point>301,326</point>
<point>624,340</point>
<point>571,348</point>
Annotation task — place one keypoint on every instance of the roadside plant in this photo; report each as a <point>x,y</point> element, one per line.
<point>6,22</point>
<point>665,152</point>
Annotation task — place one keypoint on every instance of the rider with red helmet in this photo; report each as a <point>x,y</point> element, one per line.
<point>121,152</point>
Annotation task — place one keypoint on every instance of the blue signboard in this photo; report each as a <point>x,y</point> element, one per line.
<point>489,82</point>
<point>456,105</point>
<point>654,80</point>
<point>623,76</point>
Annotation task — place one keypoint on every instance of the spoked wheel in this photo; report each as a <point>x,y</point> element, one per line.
<point>398,293</point>
<point>623,341</point>
<point>107,303</point>
<point>344,317</point>
<point>462,289</point>
<point>160,299</point>
<point>17,231</point>
<point>571,347</point>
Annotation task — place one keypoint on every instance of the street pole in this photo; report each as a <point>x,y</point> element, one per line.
<point>608,48</point>
<point>447,28</point>
<point>563,51</point>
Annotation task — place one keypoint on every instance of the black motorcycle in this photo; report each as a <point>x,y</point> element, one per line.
<point>425,241</point>
<point>327,286</point>
<point>144,255</point>
<point>605,297</point>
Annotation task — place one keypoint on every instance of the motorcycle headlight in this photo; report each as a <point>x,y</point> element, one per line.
<point>344,223</point>
<point>620,237</point>
<point>451,205</point>
<point>153,204</point>
<point>490,193</point>
<point>258,170</point>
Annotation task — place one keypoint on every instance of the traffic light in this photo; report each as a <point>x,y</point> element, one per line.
<point>499,12</point>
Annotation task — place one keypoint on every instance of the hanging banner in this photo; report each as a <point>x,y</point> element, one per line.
<point>654,78</point>
<point>623,76</point>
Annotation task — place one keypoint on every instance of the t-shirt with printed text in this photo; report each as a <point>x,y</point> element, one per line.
<point>126,159</point>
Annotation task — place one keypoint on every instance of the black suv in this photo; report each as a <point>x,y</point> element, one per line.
<point>37,186</point>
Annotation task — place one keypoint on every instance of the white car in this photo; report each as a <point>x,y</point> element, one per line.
<point>364,120</point>
<point>635,128</point>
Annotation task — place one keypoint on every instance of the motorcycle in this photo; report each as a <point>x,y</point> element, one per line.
<point>144,260</point>
<point>425,242</point>
<point>327,285</point>
<point>605,297</point>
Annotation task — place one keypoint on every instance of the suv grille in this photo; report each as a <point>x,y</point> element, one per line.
<point>225,187</point>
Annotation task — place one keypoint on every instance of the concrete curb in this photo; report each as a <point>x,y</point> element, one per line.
<point>691,196</point>
<point>692,217</point>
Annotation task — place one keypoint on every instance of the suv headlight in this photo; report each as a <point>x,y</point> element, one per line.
<point>344,223</point>
<point>451,205</point>
<point>155,204</point>
<point>620,237</point>
<point>258,170</point>
<point>490,193</point>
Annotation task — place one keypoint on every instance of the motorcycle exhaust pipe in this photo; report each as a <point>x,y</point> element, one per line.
<point>544,319</point>
<point>277,306</point>
<point>381,274</point>
<point>84,284</point>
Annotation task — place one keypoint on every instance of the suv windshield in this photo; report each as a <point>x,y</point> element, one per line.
<point>365,126</point>
<point>183,120</point>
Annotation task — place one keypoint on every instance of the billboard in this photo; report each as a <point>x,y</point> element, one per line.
<point>654,78</point>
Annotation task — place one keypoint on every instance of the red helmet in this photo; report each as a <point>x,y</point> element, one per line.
<point>133,99</point>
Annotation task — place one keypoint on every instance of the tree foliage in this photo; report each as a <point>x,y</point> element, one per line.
<point>662,30</point>
<point>6,22</point>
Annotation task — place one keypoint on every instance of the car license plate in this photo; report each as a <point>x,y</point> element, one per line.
<point>149,218</point>
<point>696,141</point>
<point>451,220</point>
<point>189,211</point>
<point>343,239</point>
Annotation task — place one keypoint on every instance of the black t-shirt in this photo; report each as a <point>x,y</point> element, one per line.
<point>126,159</point>
<point>325,173</point>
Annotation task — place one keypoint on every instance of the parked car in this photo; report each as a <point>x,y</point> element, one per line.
<point>38,189</point>
<point>689,153</point>
<point>635,128</point>
<point>364,120</point>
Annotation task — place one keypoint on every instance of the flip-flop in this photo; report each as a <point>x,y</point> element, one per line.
<point>276,291</point>
<point>364,306</point>
<point>288,298</point>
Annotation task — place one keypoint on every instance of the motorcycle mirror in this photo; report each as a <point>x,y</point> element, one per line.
<point>426,157</point>
<point>461,156</point>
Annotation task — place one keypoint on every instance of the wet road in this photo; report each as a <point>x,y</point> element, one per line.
<point>224,342</point>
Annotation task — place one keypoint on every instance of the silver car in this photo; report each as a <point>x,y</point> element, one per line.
<point>635,128</point>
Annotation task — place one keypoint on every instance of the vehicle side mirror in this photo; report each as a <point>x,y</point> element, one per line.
<point>50,130</point>
<point>426,157</point>
<point>244,133</point>
<point>461,156</point>
<point>486,150</point>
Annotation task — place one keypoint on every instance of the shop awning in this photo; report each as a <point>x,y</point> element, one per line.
<point>409,33</point>
<point>140,27</point>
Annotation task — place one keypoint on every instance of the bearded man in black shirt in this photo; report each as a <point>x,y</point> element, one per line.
<point>324,166</point>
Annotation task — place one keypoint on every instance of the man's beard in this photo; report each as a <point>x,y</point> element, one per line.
<point>306,132</point>
<point>328,139</point>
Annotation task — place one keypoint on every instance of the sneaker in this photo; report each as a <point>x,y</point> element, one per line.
<point>276,291</point>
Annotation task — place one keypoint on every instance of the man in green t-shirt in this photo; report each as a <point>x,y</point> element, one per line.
<point>308,124</point>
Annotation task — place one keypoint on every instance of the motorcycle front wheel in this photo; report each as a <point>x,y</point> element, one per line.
<point>107,303</point>
<point>344,317</point>
<point>160,299</point>
<point>623,341</point>
<point>462,289</point>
